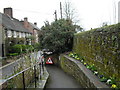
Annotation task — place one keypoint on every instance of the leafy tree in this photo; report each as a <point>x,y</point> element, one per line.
<point>57,36</point>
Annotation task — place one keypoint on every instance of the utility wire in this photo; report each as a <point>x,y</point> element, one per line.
<point>30,11</point>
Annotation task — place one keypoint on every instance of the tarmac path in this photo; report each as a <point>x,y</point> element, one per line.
<point>59,79</point>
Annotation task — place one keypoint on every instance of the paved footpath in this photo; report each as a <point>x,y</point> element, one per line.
<point>59,79</point>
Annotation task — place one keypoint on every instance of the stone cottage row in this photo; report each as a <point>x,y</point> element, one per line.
<point>11,27</point>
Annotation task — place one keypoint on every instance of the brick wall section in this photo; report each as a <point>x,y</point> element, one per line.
<point>83,75</point>
<point>101,47</point>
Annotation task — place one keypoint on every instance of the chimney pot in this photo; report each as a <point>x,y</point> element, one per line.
<point>25,19</point>
<point>35,23</point>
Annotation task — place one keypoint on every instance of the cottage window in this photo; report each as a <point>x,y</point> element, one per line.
<point>23,35</point>
<point>9,33</point>
<point>15,34</point>
<point>20,34</point>
<point>29,34</point>
<point>26,35</point>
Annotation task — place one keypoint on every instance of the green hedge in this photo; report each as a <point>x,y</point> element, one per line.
<point>101,47</point>
<point>19,48</point>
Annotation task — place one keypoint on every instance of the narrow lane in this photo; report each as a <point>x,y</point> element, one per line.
<point>59,79</point>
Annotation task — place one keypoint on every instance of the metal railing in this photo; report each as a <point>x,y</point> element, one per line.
<point>25,77</point>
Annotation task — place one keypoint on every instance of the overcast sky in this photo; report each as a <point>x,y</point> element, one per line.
<point>91,13</point>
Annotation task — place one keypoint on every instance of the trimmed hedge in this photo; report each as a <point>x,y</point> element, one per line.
<point>101,47</point>
<point>18,49</point>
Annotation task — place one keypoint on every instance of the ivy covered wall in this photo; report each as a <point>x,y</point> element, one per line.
<point>101,47</point>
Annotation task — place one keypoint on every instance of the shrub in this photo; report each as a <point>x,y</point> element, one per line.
<point>24,47</point>
<point>13,54</point>
<point>29,47</point>
<point>17,48</point>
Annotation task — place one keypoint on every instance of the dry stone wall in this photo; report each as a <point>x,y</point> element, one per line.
<point>101,47</point>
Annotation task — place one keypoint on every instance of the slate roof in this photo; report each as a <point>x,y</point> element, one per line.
<point>12,23</point>
<point>34,26</point>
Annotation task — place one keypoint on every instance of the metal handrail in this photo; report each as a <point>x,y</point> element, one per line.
<point>21,72</point>
<point>18,73</point>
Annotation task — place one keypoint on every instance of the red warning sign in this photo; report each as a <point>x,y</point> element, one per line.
<point>49,61</point>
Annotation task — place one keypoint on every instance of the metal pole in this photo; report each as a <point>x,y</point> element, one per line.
<point>35,76</point>
<point>23,80</point>
<point>43,66</point>
<point>40,71</point>
<point>55,15</point>
<point>61,10</point>
<point>43,62</point>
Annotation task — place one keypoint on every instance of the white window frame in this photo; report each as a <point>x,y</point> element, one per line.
<point>9,33</point>
<point>20,34</point>
<point>14,34</point>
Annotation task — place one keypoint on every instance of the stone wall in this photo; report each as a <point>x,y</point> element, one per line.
<point>83,75</point>
<point>101,47</point>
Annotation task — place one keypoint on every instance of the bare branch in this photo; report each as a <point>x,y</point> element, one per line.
<point>70,13</point>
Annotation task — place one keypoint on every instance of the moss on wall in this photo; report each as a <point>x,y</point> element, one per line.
<point>83,75</point>
<point>72,69</point>
<point>101,47</point>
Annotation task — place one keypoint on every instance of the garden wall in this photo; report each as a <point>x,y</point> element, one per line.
<point>101,47</point>
<point>83,75</point>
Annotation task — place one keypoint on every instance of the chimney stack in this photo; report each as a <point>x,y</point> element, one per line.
<point>25,19</point>
<point>26,22</point>
<point>8,11</point>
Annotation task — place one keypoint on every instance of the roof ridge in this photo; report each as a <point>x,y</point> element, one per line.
<point>13,24</point>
